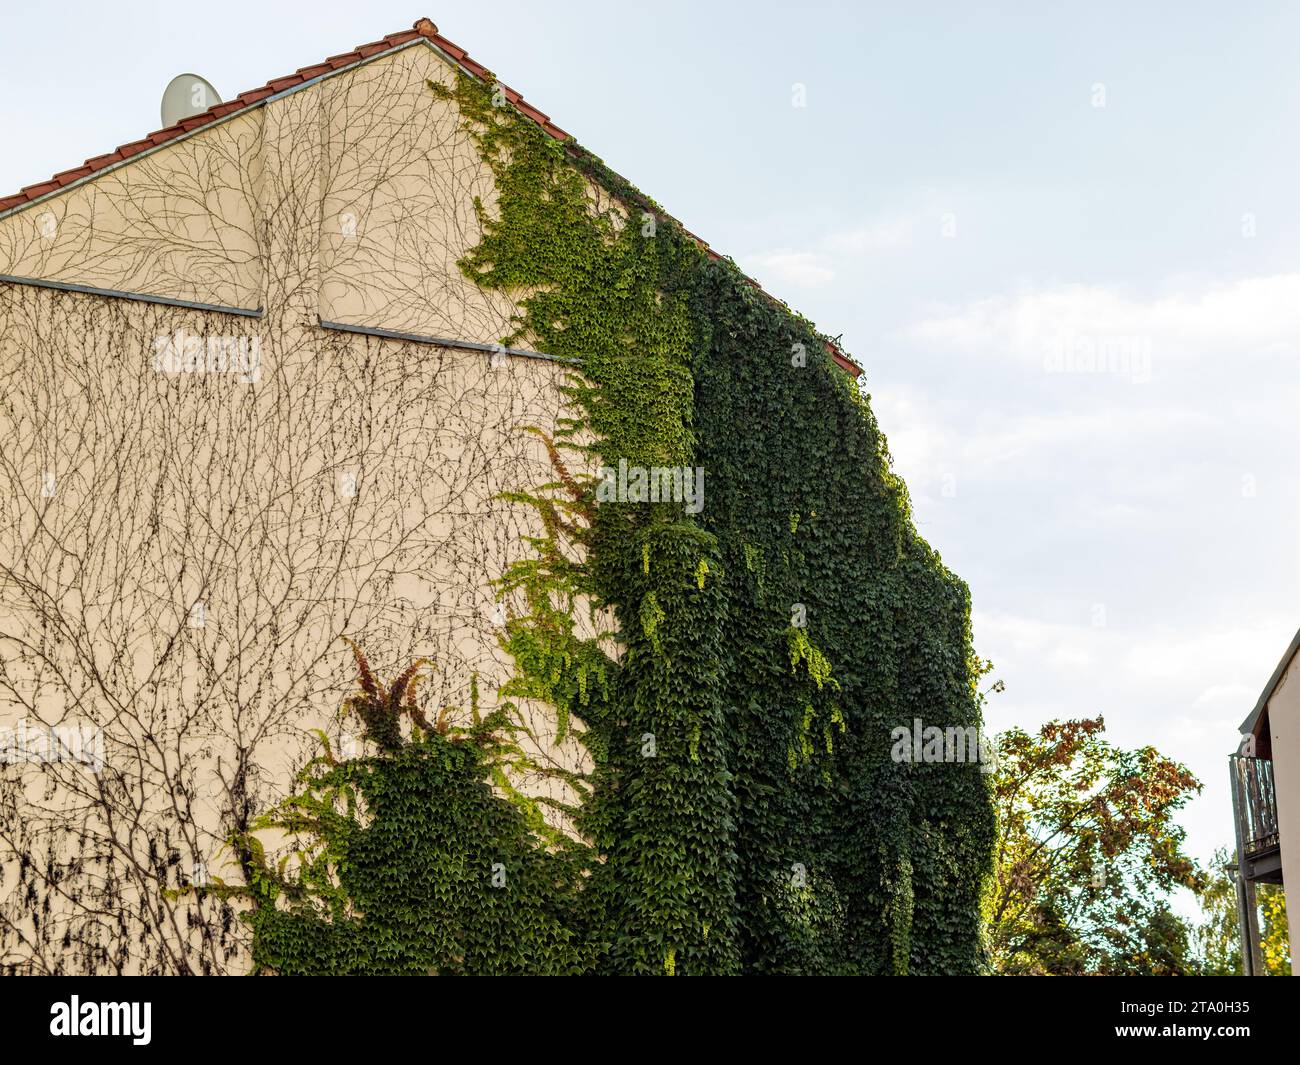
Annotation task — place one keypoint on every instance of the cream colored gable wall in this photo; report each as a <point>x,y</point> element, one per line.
<point>351,486</point>
<point>400,178</point>
<point>392,175</point>
<point>180,222</point>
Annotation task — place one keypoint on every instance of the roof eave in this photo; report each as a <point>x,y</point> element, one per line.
<point>1252,720</point>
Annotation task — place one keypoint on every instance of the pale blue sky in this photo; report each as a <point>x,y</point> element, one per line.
<point>1166,508</point>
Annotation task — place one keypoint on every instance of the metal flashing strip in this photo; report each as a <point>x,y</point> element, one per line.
<point>441,342</point>
<point>139,297</point>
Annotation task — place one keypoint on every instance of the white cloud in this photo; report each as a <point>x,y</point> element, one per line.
<point>1214,661</point>
<point>1256,316</point>
<point>805,269</point>
<point>932,439</point>
<point>1227,694</point>
<point>892,231</point>
<point>1013,639</point>
<point>830,254</point>
<point>1070,657</point>
<point>1118,490</point>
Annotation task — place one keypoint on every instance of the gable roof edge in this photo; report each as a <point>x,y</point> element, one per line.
<point>424,31</point>
<point>1252,719</point>
<point>185,134</point>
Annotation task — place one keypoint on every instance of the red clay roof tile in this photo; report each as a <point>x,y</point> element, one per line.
<point>531,112</point>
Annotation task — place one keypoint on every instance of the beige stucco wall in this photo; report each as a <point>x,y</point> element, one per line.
<point>1284,726</point>
<point>351,488</point>
<point>398,188</point>
<point>182,221</point>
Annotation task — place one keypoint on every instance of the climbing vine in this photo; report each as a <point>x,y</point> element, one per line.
<point>407,861</point>
<point>743,813</point>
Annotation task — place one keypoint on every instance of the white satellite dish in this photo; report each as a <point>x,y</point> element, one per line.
<point>186,95</point>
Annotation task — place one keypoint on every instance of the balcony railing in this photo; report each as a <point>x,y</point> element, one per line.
<point>1252,779</point>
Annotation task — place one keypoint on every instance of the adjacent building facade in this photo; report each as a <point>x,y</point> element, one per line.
<point>1265,782</point>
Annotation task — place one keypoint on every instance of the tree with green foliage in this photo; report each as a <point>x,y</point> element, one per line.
<point>1158,943</point>
<point>1274,936</point>
<point>1217,936</point>
<point>1087,856</point>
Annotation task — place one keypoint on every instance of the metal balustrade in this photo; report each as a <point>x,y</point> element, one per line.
<point>1252,779</point>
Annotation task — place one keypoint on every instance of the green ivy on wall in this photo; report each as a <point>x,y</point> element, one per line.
<point>743,814</point>
<point>418,866</point>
